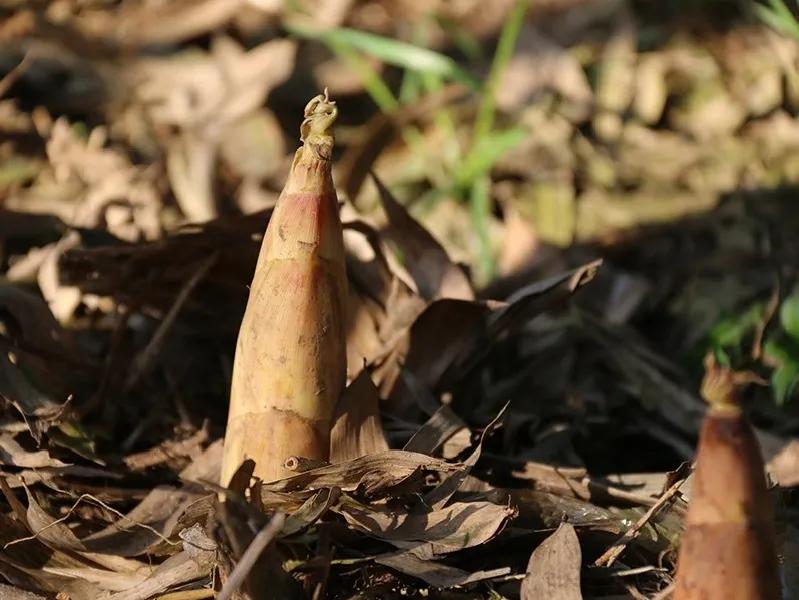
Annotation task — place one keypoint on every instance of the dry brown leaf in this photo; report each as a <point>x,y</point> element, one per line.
<point>540,64</point>
<point>195,561</point>
<point>375,473</point>
<point>253,145</point>
<point>357,430</point>
<point>190,162</point>
<point>45,574</point>
<point>91,184</point>
<point>451,336</point>
<point>434,573</point>
<point>520,242</point>
<point>554,568</point>
<point>382,304</point>
<point>120,572</point>
<point>39,363</point>
<point>52,556</point>
<point>427,534</point>
<point>8,592</point>
<point>28,321</point>
<point>169,450</point>
<point>49,474</point>
<point>191,89</point>
<point>160,511</point>
<point>440,427</point>
<point>202,95</point>
<point>435,275</point>
<point>440,495</point>
<point>171,22</point>
<point>48,530</point>
<point>440,334</point>
<point>62,299</point>
<point>310,511</point>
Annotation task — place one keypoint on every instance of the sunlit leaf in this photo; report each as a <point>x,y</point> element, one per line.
<point>784,380</point>
<point>789,316</point>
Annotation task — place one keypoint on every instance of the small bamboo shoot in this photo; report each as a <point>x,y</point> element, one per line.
<point>290,363</point>
<point>728,548</point>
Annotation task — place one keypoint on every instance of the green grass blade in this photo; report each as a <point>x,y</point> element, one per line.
<point>393,52</point>
<point>462,39</point>
<point>480,201</point>
<point>507,42</point>
<point>487,151</point>
<point>778,17</point>
<point>372,82</point>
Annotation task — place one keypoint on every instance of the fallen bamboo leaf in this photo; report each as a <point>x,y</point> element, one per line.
<point>373,474</point>
<point>432,532</point>
<point>311,511</point>
<point>435,275</point>
<point>39,362</point>
<point>461,333</point>
<point>52,532</point>
<point>173,22</point>
<point>435,573</point>
<point>434,433</point>
<point>554,568</point>
<point>441,494</point>
<point>357,430</point>
<point>159,514</point>
<point>190,447</point>
<point>195,561</point>
<point>200,95</point>
<point>8,592</point>
<point>14,455</point>
<point>54,559</point>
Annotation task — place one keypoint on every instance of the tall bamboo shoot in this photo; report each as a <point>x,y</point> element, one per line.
<point>290,362</point>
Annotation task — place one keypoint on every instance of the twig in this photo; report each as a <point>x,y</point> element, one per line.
<point>10,78</point>
<point>664,593</point>
<point>611,554</point>
<point>637,571</point>
<point>251,554</point>
<point>771,309</point>
<point>188,595</point>
<point>82,497</point>
<point>146,357</point>
<point>633,591</point>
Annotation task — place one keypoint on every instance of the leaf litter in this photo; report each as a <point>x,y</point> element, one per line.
<point>511,440</point>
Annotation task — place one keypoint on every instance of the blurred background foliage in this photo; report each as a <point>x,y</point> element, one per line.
<point>519,133</point>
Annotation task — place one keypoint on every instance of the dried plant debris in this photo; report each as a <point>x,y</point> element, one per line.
<point>627,170</point>
<point>554,567</point>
